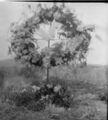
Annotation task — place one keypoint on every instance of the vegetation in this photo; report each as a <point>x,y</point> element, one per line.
<point>25,94</point>
<point>87,94</point>
<point>73,36</point>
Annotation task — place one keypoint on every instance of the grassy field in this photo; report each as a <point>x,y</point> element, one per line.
<point>88,88</point>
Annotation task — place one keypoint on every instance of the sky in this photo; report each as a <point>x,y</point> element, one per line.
<point>89,13</point>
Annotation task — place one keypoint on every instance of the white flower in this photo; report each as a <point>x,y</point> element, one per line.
<point>57,88</point>
<point>35,88</point>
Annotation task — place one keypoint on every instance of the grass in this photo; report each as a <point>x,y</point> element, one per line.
<point>88,90</point>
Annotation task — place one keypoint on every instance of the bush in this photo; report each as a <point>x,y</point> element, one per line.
<point>36,106</point>
<point>21,98</point>
<point>36,98</point>
<point>62,98</point>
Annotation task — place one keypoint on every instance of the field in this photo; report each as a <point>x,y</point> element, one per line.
<point>88,88</point>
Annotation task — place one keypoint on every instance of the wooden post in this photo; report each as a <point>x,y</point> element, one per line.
<point>48,68</point>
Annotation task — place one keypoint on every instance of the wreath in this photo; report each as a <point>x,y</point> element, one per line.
<point>74,38</point>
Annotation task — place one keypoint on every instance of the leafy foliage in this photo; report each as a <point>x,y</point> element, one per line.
<point>36,98</point>
<point>74,46</point>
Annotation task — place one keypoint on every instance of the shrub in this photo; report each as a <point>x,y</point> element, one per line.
<point>36,106</point>
<point>62,98</point>
<point>37,98</point>
<point>22,98</point>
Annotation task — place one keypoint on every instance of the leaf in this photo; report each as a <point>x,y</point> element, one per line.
<point>73,43</point>
<point>42,34</point>
<point>52,30</point>
<point>60,21</point>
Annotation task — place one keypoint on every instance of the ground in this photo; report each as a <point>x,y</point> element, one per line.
<point>89,95</point>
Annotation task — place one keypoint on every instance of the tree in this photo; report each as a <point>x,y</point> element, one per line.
<point>70,38</point>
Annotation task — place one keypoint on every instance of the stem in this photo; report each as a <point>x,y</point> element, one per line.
<point>75,72</point>
<point>48,72</point>
<point>48,43</point>
<point>48,68</point>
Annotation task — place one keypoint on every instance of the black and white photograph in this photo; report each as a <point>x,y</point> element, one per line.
<point>53,60</point>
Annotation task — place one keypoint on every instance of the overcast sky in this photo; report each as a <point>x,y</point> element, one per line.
<point>89,13</point>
